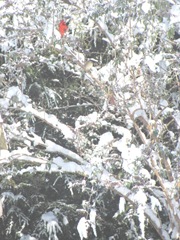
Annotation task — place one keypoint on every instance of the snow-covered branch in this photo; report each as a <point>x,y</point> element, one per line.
<point>51,120</point>
<point>23,155</point>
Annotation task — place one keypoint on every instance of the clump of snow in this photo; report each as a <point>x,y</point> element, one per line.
<point>51,222</point>
<point>49,216</point>
<point>106,71</point>
<point>4,103</point>
<point>177,118</point>
<point>175,14</point>
<point>27,237</point>
<point>129,152</point>
<point>126,133</point>
<point>151,64</point>
<point>103,26</point>
<point>146,6</point>
<point>15,95</point>
<point>82,227</point>
<point>144,173</point>
<point>122,203</point>
<point>141,217</point>
<point>92,220</point>
<point>105,139</point>
<point>155,203</point>
<point>141,198</point>
<point>135,60</point>
<point>1,206</point>
<point>85,120</point>
<point>65,220</point>
<point>138,27</point>
<point>129,155</point>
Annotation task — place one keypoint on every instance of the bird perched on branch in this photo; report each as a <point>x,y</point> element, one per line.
<point>63,27</point>
<point>88,65</point>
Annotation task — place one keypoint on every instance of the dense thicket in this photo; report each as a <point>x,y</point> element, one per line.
<point>90,121</point>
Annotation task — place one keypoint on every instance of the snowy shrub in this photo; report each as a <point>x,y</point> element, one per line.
<point>89,119</point>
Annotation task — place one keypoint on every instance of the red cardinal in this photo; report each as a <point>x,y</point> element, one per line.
<point>62,27</point>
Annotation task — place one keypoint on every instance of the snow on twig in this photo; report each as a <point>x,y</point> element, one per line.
<point>53,147</point>
<point>102,25</point>
<point>51,120</point>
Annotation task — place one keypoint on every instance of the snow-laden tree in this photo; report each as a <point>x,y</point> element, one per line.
<point>89,134</point>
